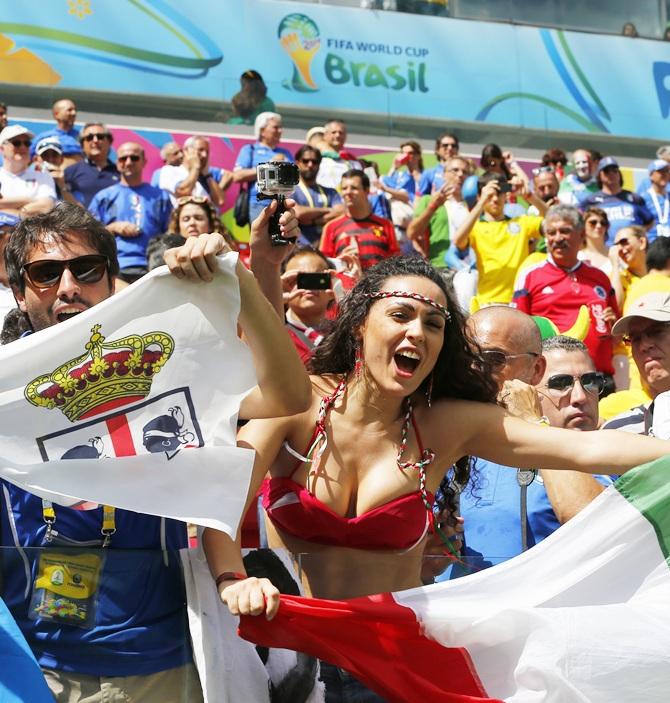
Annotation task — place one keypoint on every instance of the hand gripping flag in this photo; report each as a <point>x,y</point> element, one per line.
<point>134,403</point>
<point>582,617</point>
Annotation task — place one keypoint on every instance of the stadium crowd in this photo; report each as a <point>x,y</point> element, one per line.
<point>447,315</point>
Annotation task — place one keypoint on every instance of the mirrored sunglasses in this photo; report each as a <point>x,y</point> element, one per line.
<point>592,382</point>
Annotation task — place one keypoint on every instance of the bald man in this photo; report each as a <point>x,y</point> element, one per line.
<point>507,510</point>
<point>133,210</point>
<point>65,114</point>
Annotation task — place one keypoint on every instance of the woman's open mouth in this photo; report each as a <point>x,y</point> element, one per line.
<point>406,362</point>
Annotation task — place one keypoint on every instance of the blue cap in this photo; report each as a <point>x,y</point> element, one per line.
<point>9,220</point>
<point>657,165</point>
<point>605,162</point>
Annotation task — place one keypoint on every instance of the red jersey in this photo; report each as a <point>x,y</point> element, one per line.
<point>374,236</point>
<point>550,291</point>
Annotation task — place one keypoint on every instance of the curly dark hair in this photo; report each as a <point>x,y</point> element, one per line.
<point>459,371</point>
<point>64,222</point>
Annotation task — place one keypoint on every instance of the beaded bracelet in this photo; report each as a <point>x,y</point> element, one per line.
<point>230,576</point>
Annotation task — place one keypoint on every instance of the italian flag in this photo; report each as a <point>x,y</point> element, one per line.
<point>583,616</point>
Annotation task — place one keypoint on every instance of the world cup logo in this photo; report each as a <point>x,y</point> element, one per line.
<point>299,37</point>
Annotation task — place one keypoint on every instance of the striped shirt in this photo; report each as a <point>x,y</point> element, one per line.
<point>374,236</point>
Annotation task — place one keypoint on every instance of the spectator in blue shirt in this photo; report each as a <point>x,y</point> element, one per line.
<point>446,146</point>
<point>96,171</point>
<point>132,210</point>
<point>315,204</point>
<point>657,198</point>
<point>623,208</point>
<point>268,130</point>
<point>65,114</point>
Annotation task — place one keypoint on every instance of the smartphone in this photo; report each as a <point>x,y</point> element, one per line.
<point>313,281</point>
<point>505,187</point>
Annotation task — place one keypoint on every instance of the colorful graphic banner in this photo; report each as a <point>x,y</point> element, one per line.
<point>343,59</point>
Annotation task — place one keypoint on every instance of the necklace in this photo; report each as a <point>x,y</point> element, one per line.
<point>320,442</point>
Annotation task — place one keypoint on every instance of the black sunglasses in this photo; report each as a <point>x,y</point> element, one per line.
<point>46,273</point>
<point>133,157</point>
<point>592,382</point>
<point>595,222</point>
<point>95,135</point>
<point>497,359</point>
<point>448,145</point>
<point>16,143</point>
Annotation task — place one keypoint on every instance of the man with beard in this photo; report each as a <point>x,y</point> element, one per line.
<point>315,204</point>
<point>558,287</point>
<point>134,644</point>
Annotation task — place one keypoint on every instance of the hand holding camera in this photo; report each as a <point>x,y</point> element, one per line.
<point>274,181</point>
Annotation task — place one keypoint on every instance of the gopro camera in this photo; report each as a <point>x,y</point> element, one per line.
<point>274,181</point>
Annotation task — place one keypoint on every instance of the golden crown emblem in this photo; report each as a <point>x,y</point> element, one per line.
<point>108,375</point>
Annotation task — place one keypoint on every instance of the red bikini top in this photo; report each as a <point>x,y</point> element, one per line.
<point>399,524</point>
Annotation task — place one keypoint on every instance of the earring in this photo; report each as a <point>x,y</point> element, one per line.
<point>358,362</point>
<point>429,390</point>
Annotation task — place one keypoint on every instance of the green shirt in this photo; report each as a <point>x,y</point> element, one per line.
<point>438,232</point>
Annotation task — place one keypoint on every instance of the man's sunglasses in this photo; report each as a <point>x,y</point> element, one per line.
<point>592,382</point>
<point>16,143</point>
<point>448,145</point>
<point>498,359</point>
<point>46,273</point>
<point>310,161</point>
<point>133,157</point>
<point>542,169</point>
<point>95,135</point>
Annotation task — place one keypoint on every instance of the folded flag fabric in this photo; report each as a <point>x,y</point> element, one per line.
<point>584,616</point>
<point>147,384</point>
<point>21,679</point>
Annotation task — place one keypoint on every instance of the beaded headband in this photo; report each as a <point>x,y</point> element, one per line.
<point>414,296</point>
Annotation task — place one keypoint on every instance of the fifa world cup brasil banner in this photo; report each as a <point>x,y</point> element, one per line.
<point>336,58</point>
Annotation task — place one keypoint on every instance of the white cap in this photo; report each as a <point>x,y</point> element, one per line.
<point>653,306</point>
<point>13,131</point>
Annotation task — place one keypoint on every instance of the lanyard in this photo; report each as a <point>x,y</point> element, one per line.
<point>662,219</point>
<point>308,195</point>
<point>108,522</point>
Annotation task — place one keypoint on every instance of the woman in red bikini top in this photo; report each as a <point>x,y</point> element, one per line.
<point>399,398</point>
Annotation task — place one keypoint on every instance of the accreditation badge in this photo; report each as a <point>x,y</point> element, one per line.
<point>65,588</point>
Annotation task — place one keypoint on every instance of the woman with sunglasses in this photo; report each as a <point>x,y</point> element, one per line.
<point>595,251</point>
<point>399,398</point>
<point>629,259</point>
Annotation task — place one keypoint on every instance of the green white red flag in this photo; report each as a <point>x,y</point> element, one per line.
<point>584,616</point>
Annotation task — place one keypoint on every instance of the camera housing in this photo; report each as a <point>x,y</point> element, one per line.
<point>274,181</point>
<point>277,178</point>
